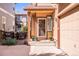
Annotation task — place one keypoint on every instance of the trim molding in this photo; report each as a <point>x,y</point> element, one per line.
<point>3,10</point>
<point>68,8</point>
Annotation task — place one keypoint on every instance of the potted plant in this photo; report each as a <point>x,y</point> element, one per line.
<point>51,39</point>
<point>33,38</point>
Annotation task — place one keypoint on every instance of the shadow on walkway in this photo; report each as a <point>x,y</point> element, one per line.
<point>50,54</point>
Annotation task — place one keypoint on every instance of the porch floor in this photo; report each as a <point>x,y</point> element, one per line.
<point>45,48</point>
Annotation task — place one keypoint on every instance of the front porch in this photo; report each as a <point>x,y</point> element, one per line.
<point>40,23</point>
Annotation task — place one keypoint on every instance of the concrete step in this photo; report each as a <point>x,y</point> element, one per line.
<point>42,43</point>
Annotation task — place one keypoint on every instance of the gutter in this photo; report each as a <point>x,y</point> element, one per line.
<point>68,8</point>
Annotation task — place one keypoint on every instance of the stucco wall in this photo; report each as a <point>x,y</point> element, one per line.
<point>6,10</point>
<point>55,24</point>
<point>69,32</point>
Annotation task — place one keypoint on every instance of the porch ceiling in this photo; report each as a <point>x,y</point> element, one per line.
<point>40,10</point>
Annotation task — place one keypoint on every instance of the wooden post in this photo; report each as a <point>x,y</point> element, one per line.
<point>58,33</point>
<point>52,25</point>
<point>28,18</point>
<point>33,25</point>
<point>57,27</point>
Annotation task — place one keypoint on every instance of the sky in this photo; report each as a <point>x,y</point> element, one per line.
<point>20,6</point>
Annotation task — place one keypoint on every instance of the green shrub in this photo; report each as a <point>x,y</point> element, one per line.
<point>33,38</point>
<point>25,29</point>
<point>9,41</point>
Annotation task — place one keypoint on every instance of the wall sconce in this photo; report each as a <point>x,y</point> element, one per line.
<point>55,18</point>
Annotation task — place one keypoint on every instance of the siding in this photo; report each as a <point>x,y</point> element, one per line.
<point>69,32</point>
<point>9,19</point>
<point>8,7</point>
<point>62,6</point>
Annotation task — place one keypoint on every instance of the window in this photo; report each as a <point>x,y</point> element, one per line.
<point>3,22</point>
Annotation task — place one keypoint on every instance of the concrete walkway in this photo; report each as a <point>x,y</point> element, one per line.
<point>16,50</point>
<point>46,51</point>
<point>39,49</point>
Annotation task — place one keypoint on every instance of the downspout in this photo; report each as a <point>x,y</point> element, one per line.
<point>70,7</point>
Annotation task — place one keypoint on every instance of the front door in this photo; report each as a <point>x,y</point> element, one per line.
<point>41,27</point>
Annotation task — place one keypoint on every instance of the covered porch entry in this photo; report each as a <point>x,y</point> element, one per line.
<point>40,22</point>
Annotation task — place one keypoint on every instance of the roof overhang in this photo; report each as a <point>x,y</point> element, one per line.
<point>39,8</point>
<point>68,8</point>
